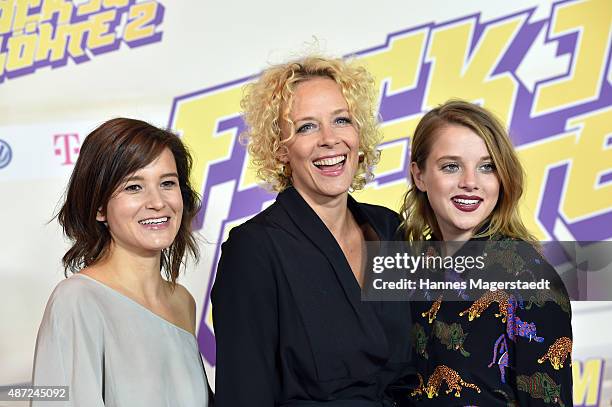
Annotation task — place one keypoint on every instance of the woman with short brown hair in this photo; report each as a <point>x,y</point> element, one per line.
<point>116,332</point>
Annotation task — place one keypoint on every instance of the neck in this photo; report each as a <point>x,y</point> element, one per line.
<point>454,241</point>
<point>333,212</point>
<point>135,273</point>
<point>462,236</point>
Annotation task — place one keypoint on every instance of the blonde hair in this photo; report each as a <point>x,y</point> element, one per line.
<point>419,220</point>
<point>267,103</point>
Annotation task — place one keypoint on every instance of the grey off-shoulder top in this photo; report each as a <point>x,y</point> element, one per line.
<point>112,351</point>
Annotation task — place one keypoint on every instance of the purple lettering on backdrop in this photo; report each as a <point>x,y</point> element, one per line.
<point>76,19</point>
<point>523,127</point>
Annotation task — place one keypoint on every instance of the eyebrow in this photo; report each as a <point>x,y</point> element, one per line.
<point>335,112</point>
<point>139,178</point>
<point>457,158</point>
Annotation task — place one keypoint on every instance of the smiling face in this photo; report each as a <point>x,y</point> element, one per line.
<point>460,180</point>
<point>144,214</point>
<point>323,154</point>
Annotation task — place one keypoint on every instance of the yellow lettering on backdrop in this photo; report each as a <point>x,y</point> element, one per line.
<point>139,16</point>
<point>99,36</point>
<point>593,20</point>
<point>61,7</point>
<point>400,128</point>
<point>115,3</point>
<point>22,17</point>
<point>47,43</point>
<point>537,158</point>
<point>454,75</point>
<point>391,194</point>
<point>2,63</point>
<point>587,377</point>
<point>92,6</point>
<point>394,154</point>
<point>399,65</point>
<point>197,118</point>
<point>592,158</point>
<point>7,8</point>
<point>248,176</point>
<point>75,32</point>
<point>21,51</point>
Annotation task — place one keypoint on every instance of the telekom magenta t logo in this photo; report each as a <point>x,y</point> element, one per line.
<point>67,146</point>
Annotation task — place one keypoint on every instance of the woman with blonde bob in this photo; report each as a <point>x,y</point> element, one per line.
<point>494,347</point>
<point>290,325</point>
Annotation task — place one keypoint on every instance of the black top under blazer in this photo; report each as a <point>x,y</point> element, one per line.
<point>290,326</point>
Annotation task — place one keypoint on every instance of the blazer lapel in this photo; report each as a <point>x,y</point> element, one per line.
<point>315,230</point>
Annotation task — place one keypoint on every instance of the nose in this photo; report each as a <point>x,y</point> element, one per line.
<point>154,199</point>
<point>329,138</point>
<point>468,180</point>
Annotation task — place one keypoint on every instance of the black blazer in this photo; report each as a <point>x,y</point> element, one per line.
<point>289,322</point>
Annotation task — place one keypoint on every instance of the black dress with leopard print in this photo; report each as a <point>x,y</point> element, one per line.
<point>492,347</point>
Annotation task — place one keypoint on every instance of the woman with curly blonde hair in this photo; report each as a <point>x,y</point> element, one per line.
<point>290,325</point>
<point>267,106</point>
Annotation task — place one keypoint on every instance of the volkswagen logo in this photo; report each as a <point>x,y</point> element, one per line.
<point>6,154</point>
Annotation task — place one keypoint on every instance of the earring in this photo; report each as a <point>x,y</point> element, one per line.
<point>361,156</point>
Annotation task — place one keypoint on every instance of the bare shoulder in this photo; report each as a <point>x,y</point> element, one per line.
<point>184,304</point>
<point>93,272</point>
<point>184,297</point>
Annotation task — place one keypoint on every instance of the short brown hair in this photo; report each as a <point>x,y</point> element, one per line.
<point>109,154</point>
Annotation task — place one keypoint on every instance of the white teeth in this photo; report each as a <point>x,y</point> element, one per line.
<point>330,161</point>
<point>155,221</point>
<point>466,201</point>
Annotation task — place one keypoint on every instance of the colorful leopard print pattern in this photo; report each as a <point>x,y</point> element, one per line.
<point>501,348</point>
<point>540,386</point>
<point>453,381</point>
<point>480,305</point>
<point>504,254</point>
<point>451,335</point>
<point>517,327</point>
<point>542,296</point>
<point>557,353</point>
<point>419,340</point>
<point>420,389</point>
<point>433,311</point>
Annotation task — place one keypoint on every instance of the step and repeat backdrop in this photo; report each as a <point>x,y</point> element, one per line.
<point>67,66</point>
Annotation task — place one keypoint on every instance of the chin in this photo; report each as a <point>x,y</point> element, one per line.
<point>335,188</point>
<point>463,228</point>
<point>158,246</point>
<point>334,192</point>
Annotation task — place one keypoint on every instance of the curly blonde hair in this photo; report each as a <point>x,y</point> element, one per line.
<point>267,103</point>
<point>419,219</point>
